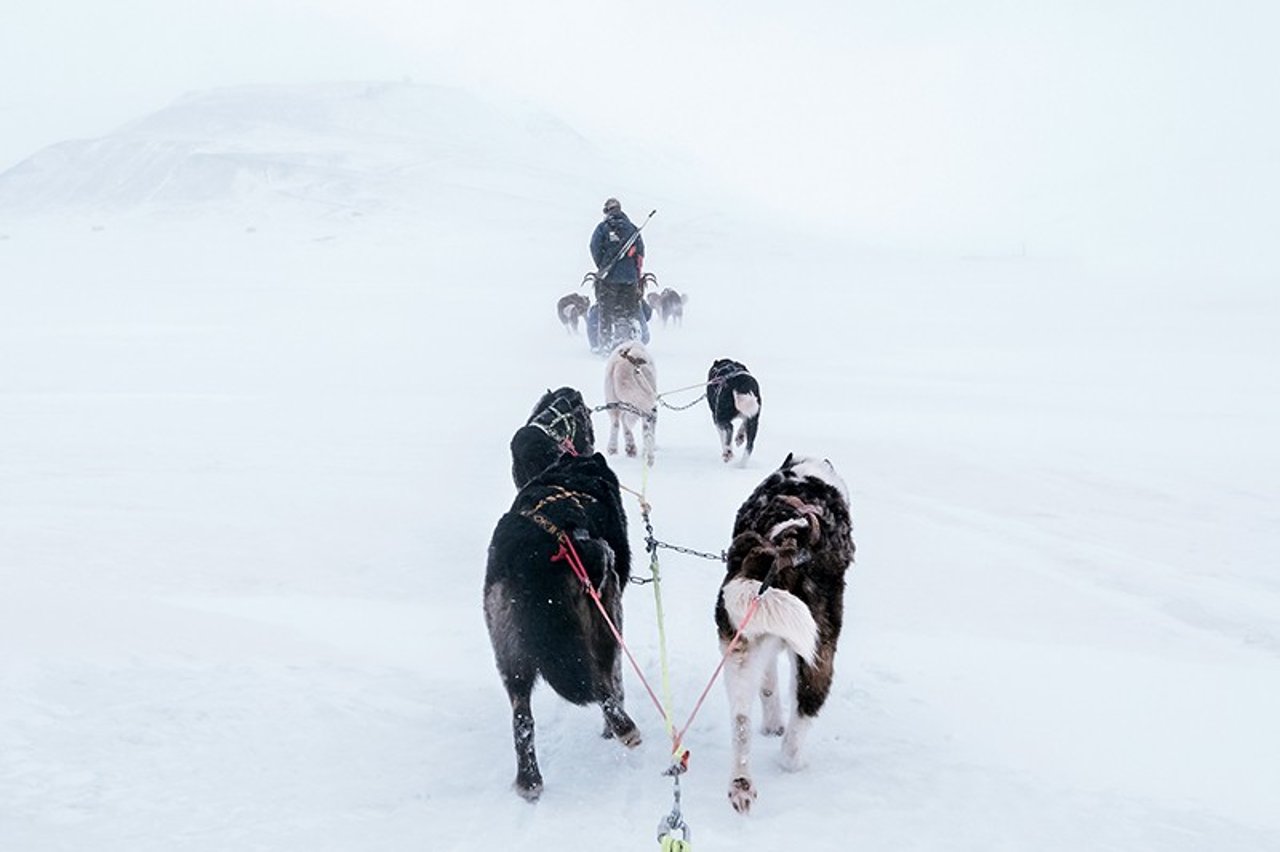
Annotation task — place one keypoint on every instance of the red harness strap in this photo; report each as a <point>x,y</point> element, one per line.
<point>569,553</point>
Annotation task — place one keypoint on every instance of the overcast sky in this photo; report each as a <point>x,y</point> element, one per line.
<point>1141,127</point>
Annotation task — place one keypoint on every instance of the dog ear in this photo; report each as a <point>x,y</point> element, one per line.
<point>789,460</point>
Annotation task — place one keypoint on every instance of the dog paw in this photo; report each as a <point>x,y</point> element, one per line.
<point>631,452</point>
<point>741,794</point>
<point>529,789</point>
<point>791,761</point>
<point>773,730</point>
<point>740,439</point>
<point>727,455</point>
<point>630,738</point>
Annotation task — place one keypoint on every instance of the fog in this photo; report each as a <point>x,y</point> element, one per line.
<point>1135,133</point>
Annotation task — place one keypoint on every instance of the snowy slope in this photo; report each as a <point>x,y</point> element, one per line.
<point>339,149</point>
<point>249,477</point>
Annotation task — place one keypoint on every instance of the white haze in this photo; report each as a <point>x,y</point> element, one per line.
<point>1132,132</point>
<point>264,341</point>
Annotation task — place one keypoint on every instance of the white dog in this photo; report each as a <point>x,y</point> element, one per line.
<point>631,391</point>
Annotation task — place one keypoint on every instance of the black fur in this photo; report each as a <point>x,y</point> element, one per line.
<point>561,415</point>
<point>725,377</point>
<point>541,620</point>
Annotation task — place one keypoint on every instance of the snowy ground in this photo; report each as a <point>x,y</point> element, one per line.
<point>249,470</point>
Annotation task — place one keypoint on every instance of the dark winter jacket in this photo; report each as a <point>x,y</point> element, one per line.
<point>608,239</point>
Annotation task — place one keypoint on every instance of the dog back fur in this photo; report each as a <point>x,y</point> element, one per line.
<point>542,613</point>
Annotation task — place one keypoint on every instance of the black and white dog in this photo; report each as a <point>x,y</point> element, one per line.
<point>793,535</point>
<point>734,397</point>
<point>541,620</point>
<point>560,422</point>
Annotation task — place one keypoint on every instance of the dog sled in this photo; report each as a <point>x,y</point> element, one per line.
<point>621,313</point>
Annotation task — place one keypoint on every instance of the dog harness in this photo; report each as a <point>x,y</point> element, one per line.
<point>560,427</point>
<point>558,494</point>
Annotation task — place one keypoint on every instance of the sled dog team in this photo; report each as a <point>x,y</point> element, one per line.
<point>559,562</point>
<point>668,304</point>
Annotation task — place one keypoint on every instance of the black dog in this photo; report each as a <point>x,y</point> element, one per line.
<point>560,421</point>
<point>794,536</point>
<point>734,395</point>
<point>541,619</point>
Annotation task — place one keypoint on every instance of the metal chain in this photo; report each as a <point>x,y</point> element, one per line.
<point>651,544</point>
<point>710,383</point>
<point>715,557</point>
<point>682,407</point>
<point>626,406</point>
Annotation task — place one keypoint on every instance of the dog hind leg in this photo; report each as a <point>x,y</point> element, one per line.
<point>812,685</point>
<point>518,671</point>
<point>616,721</point>
<point>528,779</point>
<point>772,725</point>
<point>726,441</point>
<point>614,418</point>
<point>743,674</point>
<point>751,426</point>
<point>630,436</point>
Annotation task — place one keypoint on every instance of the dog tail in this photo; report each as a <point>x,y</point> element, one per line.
<point>747,404</point>
<point>780,614</point>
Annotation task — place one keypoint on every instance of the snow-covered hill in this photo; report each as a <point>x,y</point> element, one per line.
<point>248,476</point>
<point>338,149</point>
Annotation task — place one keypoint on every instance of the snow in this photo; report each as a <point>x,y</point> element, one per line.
<point>254,446</point>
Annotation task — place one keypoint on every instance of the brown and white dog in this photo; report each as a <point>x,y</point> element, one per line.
<point>572,308</point>
<point>630,390</point>
<point>792,539</point>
